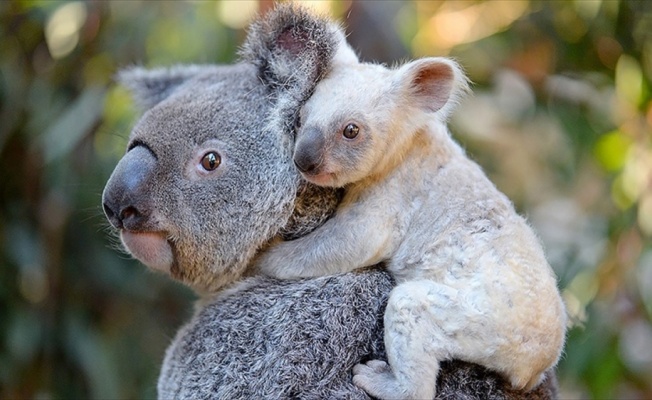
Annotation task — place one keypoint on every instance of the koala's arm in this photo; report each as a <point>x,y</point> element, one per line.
<point>356,236</point>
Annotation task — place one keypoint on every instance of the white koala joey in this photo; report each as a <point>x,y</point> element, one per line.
<point>472,279</point>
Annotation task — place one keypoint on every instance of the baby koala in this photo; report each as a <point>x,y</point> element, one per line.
<point>472,280</point>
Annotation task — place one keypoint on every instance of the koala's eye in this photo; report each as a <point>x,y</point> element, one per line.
<point>351,131</point>
<point>211,161</point>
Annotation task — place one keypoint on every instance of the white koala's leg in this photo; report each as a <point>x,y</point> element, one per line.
<point>425,323</point>
<point>349,240</point>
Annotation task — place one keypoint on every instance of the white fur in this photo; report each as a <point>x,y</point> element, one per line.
<point>473,282</point>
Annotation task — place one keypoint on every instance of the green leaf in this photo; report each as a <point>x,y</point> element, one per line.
<point>611,150</point>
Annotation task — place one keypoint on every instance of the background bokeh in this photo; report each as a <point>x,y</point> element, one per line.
<point>561,120</point>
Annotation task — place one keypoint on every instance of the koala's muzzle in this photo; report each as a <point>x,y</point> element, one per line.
<point>127,202</point>
<point>309,151</point>
<point>126,197</point>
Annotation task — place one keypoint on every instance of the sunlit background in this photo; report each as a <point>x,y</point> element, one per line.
<point>561,120</point>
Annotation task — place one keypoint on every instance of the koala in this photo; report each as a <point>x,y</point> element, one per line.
<point>207,182</point>
<point>472,279</point>
<point>201,195</point>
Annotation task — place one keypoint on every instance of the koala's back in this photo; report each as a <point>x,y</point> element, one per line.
<point>278,339</point>
<point>300,339</point>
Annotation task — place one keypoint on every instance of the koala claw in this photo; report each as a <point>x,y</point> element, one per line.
<point>376,378</point>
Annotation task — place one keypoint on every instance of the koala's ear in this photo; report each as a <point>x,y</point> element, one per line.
<point>432,84</point>
<point>292,47</point>
<point>151,86</point>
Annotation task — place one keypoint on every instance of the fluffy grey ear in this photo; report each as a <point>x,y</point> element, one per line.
<point>151,86</point>
<point>433,84</point>
<point>293,48</point>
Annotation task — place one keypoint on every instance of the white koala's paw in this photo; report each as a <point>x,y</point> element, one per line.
<point>266,264</point>
<point>276,265</point>
<point>376,378</point>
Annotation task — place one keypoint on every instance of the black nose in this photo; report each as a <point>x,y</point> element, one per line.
<point>112,216</point>
<point>309,150</point>
<point>128,217</point>
<point>306,165</point>
<point>127,195</point>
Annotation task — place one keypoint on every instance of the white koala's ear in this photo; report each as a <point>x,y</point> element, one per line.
<point>293,48</point>
<point>432,84</point>
<point>151,86</point>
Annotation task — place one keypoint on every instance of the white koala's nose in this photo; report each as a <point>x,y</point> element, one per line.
<point>309,150</point>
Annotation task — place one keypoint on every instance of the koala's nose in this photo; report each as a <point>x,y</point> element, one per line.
<point>129,217</point>
<point>126,196</point>
<point>306,165</point>
<point>309,150</point>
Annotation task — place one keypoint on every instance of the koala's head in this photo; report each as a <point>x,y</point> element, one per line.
<point>208,177</point>
<point>202,184</point>
<point>361,116</point>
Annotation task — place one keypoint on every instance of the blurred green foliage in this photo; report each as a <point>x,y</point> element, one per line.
<point>561,120</point>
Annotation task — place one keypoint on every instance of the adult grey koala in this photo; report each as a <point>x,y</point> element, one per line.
<point>206,182</point>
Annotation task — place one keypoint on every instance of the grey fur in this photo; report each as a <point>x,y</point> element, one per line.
<point>300,339</point>
<point>214,224</point>
<point>257,337</point>
<point>150,87</point>
<point>291,48</point>
<point>313,206</point>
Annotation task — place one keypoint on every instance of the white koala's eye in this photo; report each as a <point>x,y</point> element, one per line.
<point>350,131</point>
<point>211,161</point>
